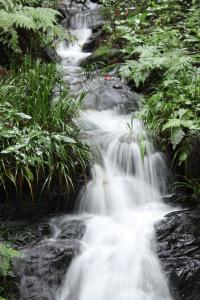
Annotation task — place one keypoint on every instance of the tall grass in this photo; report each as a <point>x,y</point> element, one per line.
<point>39,146</point>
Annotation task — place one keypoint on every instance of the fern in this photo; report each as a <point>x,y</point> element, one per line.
<point>7,5</point>
<point>4,89</point>
<point>156,53</point>
<point>136,71</point>
<point>14,15</point>
<point>22,20</point>
<point>160,45</point>
<point>176,137</point>
<point>6,21</point>
<point>172,123</point>
<point>178,59</point>
<point>147,50</point>
<point>6,256</point>
<point>125,70</point>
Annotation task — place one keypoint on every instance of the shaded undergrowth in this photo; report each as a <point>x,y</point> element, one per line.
<point>160,46</point>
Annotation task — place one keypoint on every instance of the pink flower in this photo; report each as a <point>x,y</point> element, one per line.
<point>107,77</point>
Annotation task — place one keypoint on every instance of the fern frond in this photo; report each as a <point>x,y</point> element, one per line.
<point>175,122</point>
<point>176,137</point>
<point>6,21</point>
<point>7,5</point>
<point>4,90</point>
<point>43,17</point>
<point>136,71</point>
<point>125,70</point>
<point>147,50</point>
<point>13,16</point>
<point>6,255</point>
<point>178,59</point>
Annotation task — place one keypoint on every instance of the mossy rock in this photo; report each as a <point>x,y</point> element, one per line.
<point>103,54</point>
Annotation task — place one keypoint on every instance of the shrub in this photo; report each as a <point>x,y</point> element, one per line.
<point>25,27</point>
<point>160,43</point>
<point>6,256</point>
<point>39,142</point>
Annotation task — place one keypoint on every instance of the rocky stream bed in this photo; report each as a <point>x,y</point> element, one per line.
<point>46,259</point>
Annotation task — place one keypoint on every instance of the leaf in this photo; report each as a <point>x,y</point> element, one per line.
<point>176,136</point>
<point>63,138</point>
<point>183,157</point>
<point>6,255</point>
<point>12,149</point>
<point>9,133</point>
<point>172,123</point>
<point>29,174</point>
<point>190,124</point>
<point>23,116</point>
<point>10,175</point>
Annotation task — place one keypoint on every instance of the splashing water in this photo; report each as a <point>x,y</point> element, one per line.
<point>121,203</point>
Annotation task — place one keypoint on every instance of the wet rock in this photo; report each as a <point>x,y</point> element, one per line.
<point>103,55</point>
<point>50,55</point>
<point>178,247</point>
<point>72,230</point>
<point>181,199</point>
<point>88,13</point>
<point>93,42</point>
<point>105,95</point>
<point>118,87</point>
<point>193,162</point>
<point>22,233</point>
<point>63,10</point>
<point>43,266</point>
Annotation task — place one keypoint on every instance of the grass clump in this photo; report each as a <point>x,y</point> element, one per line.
<point>39,145</point>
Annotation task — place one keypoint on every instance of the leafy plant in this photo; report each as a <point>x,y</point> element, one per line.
<point>7,254</point>
<point>160,45</point>
<point>18,17</point>
<point>38,138</point>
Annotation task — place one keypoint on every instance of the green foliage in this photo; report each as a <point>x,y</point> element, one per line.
<point>38,138</point>
<point>19,17</point>
<point>6,256</point>
<point>173,109</point>
<point>160,41</point>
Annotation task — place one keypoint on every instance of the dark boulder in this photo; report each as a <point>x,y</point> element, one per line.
<point>178,247</point>
<point>93,42</point>
<point>89,16</point>
<point>109,92</point>
<point>42,267</point>
<point>193,162</point>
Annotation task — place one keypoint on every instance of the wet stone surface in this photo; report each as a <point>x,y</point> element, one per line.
<point>43,265</point>
<point>109,92</point>
<point>45,261</point>
<point>178,247</point>
<point>88,15</point>
<point>193,162</point>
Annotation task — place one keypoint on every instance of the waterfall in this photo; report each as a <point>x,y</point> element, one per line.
<point>120,204</point>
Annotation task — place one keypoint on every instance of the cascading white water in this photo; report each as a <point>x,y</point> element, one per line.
<point>120,204</point>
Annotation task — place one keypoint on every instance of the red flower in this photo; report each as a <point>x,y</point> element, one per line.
<point>107,77</point>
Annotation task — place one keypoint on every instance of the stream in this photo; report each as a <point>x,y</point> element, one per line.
<point>115,256</point>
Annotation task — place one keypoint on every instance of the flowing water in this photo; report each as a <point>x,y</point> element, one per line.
<point>121,203</point>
